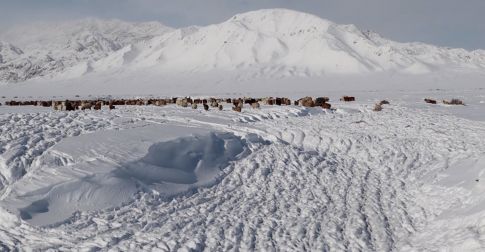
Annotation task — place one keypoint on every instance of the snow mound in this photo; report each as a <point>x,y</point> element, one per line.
<point>176,165</point>
<point>114,166</point>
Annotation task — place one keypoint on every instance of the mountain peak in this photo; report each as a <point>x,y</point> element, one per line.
<point>279,20</point>
<point>277,14</point>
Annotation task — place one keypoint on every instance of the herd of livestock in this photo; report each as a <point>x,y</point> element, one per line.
<point>217,103</point>
<point>237,103</point>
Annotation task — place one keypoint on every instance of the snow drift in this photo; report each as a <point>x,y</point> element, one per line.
<point>114,166</point>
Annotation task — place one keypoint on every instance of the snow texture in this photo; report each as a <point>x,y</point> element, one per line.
<point>278,178</point>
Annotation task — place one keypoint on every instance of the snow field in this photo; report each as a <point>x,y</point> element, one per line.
<point>286,178</point>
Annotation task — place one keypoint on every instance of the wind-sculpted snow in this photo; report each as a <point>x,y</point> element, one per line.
<point>25,136</point>
<point>287,179</point>
<point>272,43</point>
<point>110,168</point>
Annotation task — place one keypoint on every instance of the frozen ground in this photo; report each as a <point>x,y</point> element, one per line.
<point>409,178</point>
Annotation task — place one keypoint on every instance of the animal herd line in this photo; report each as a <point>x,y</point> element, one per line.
<point>237,104</point>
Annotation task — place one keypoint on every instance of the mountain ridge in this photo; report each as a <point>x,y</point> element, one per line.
<point>263,43</point>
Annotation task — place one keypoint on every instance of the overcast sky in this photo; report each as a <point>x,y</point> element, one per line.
<point>454,23</point>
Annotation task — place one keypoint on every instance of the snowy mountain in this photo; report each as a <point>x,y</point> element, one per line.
<point>48,49</point>
<point>263,43</point>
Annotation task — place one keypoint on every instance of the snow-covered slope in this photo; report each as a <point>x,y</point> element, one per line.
<point>48,49</point>
<point>263,43</point>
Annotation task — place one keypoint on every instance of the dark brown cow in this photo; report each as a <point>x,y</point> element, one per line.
<point>430,101</point>
<point>326,105</point>
<point>69,106</point>
<point>347,98</point>
<point>278,101</point>
<point>384,102</point>
<point>319,101</point>
<point>249,100</point>
<point>12,103</point>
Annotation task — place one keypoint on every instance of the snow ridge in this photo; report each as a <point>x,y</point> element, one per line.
<point>263,43</point>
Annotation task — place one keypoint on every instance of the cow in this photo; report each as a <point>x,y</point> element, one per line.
<point>287,101</point>
<point>319,101</point>
<point>69,106</point>
<point>307,102</point>
<point>347,98</point>
<point>454,102</point>
<point>430,101</point>
<point>220,107</point>
<point>194,105</point>
<point>237,102</point>
<point>278,101</point>
<point>255,105</point>
<point>214,104</point>
<point>12,103</point>
<point>237,108</point>
<point>378,107</point>
<point>160,102</point>
<point>206,107</point>
<point>182,102</point>
<point>384,102</point>
<point>326,105</point>
<point>249,100</point>
<point>97,106</point>
<point>86,105</point>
